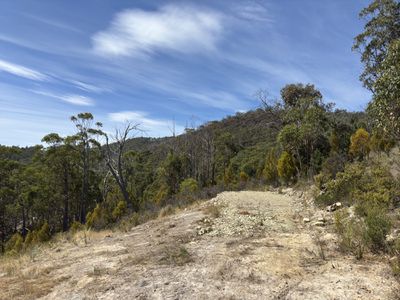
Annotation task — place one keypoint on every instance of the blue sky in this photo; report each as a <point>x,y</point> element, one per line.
<point>152,62</point>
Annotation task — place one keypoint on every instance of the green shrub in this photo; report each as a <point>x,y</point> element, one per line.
<point>162,194</point>
<point>381,142</point>
<point>378,226</point>
<point>15,243</point>
<point>243,176</point>
<point>270,171</point>
<point>286,167</point>
<point>229,176</point>
<point>321,180</point>
<point>333,164</point>
<point>119,210</point>
<point>352,234</point>
<point>365,185</point>
<point>359,144</point>
<point>43,234</point>
<point>340,188</point>
<point>97,219</point>
<point>135,219</point>
<point>395,261</point>
<point>76,226</point>
<point>30,238</point>
<point>188,187</point>
<point>249,169</point>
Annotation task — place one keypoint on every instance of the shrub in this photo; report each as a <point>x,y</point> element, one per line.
<point>97,218</point>
<point>395,261</point>
<point>380,142</point>
<point>378,226</point>
<point>359,144</point>
<point>132,220</point>
<point>135,219</point>
<point>321,180</point>
<point>119,210</point>
<point>249,169</point>
<point>352,234</point>
<point>333,164</point>
<point>14,244</point>
<point>356,234</point>
<point>243,176</point>
<point>270,171</point>
<point>30,238</point>
<point>166,210</point>
<point>76,226</point>
<point>365,185</point>
<point>188,187</point>
<point>229,175</point>
<point>162,194</point>
<point>43,234</point>
<point>286,167</point>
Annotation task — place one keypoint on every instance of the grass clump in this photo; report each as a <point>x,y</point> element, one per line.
<point>14,244</point>
<point>176,256</point>
<point>352,234</point>
<point>213,210</point>
<point>166,211</point>
<point>76,226</point>
<point>360,233</point>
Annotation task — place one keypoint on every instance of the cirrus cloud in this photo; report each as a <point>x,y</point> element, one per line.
<point>152,126</point>
<point>137,32</point>
<point>69,98</point>
<point>21,71</point>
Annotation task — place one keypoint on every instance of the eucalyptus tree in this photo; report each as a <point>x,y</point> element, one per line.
<point>86,137</point>
<point>382,28</point>
<point>385,107</point>
<point>306,124</point>
<point>7,196</point>
<point>61,158</point>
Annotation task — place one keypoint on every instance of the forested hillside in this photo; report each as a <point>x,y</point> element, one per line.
<point>69,177</point>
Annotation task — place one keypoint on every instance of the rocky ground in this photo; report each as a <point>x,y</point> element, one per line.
<point>240,245</point>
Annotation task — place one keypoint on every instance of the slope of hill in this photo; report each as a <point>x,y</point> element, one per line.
<point>240,245</point>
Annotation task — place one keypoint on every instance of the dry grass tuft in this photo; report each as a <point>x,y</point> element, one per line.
<point>176,256</point>
<point>213,210</point>
<point>87,236</point>
<point>20,280</point>
<point>166,211</point>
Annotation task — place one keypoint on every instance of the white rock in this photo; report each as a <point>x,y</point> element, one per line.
<point>319,224</point>
<point>390,238</point>
<point>306,220</point>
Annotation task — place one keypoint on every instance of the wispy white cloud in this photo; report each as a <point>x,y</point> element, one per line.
<point>151,126</point>
<point>88,87</point>
<point>179,28</point>
<point>70,98</point>
<point>253,11</point>
<point>217,99</point>
<point>78,100</point>
<point>53,23</point>
<point>21,71</point>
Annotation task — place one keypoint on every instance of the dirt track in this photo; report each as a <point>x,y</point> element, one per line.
<point>240,245</point>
